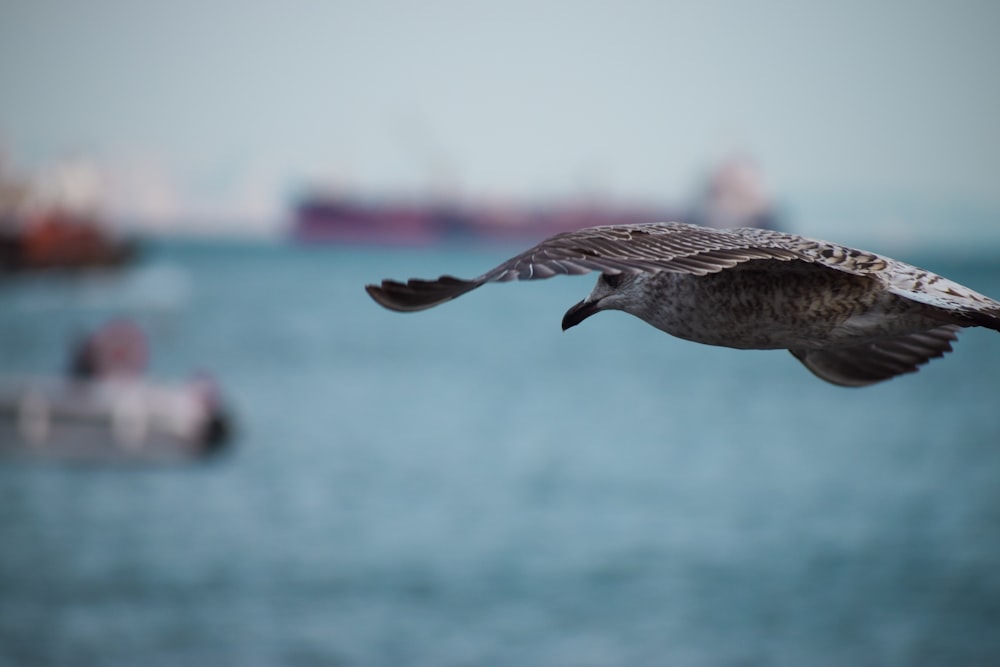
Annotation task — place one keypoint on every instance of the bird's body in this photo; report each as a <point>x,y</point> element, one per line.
<point>852,317</point>
<point>762,305</point>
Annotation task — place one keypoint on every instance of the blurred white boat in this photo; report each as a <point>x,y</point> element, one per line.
<point>111,419</point>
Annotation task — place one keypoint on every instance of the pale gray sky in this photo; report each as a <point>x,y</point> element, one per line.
<point>243,101</point>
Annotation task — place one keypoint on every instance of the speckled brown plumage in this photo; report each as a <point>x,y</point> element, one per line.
<point>851,317</point>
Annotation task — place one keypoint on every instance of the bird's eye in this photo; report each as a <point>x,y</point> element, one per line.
<point>613,280</point>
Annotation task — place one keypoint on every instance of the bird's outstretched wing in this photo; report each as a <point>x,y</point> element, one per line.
<point>665,246</point>
<point>862,365</point>
<point>905,280</point>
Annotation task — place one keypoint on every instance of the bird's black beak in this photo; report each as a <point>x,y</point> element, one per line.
<point>578,313</point>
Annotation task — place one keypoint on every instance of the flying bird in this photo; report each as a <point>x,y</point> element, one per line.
<point>852,317</point>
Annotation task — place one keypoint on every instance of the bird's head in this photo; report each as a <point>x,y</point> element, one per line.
<point>612,292</point>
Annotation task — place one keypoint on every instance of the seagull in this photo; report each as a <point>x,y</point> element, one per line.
<point>852,317</point>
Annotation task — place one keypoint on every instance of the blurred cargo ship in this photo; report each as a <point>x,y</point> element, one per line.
<point>732,197</point>
<point>337,219</point>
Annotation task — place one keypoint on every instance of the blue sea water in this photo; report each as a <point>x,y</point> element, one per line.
<point>472,486</point>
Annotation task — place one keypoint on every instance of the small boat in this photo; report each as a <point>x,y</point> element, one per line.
<point>111,420</point>
<point>53,221</point>
<point>58,240</point>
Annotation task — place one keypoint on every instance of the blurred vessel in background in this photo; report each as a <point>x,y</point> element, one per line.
<point>733,197</point>
<point>57,239</point>
<point>338,219</point>
<point>105,410</point>
<point>54,222</point>
<point>110,420</point>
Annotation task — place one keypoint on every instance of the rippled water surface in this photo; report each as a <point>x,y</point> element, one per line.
<point>471,486</point>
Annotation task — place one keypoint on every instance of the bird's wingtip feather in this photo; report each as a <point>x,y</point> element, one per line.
<point>416,294</point>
